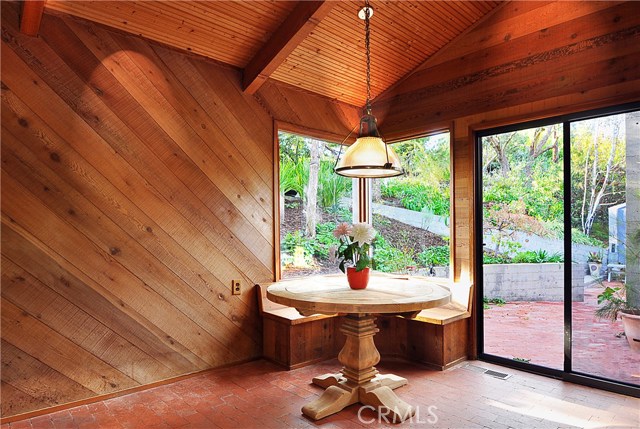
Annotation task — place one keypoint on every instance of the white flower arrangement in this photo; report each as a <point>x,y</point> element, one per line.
<point>355,245</point>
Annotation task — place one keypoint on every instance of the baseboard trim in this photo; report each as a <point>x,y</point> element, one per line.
<point>98,398</point>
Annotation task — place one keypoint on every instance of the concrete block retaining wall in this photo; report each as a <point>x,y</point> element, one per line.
<point>532,282</point>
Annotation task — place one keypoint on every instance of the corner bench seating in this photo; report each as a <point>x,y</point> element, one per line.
<point>293,340</point>
<point>437,336</point>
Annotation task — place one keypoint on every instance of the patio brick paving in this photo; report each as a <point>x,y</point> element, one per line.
<point>534,330</point>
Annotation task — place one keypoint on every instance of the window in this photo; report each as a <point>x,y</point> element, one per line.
<point>313,199</point>
<point>411,212</point>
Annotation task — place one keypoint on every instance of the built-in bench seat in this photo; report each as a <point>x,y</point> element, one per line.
<point>294,340</point>
<point>459,307</point>
<point>440,336</point>
<point>437,336</point>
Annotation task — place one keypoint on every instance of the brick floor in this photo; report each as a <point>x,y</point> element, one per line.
<point>534,330</point>
<point>263,396</point>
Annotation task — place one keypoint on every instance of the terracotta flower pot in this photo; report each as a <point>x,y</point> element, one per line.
<point>631,323</point>
<point>357,279</point>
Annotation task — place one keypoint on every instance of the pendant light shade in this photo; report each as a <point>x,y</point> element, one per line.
<point>369,156</point>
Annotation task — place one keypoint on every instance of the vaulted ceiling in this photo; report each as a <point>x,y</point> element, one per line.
<point>314,45</point>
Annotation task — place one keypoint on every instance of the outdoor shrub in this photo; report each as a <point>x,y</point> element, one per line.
<point>436,256</point>
<point>295,239</point>
<point>497,301</point>
<point>389,259</point>
<point>415,195</point>
<point>536,257</point>
<point>294,176</point>
<point>331,186</point>
<point>495,258</point>
<point>324,239</point>
<point>318,247</point>
<point>580,237</point>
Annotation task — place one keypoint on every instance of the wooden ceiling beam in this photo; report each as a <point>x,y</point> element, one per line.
<point>295,28</point>
<point>32,11</point>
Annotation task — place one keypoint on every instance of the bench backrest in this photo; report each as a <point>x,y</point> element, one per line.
<point>264,304</point>
<point>462,295</point>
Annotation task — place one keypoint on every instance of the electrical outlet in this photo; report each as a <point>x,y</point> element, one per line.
<point>235,287</point>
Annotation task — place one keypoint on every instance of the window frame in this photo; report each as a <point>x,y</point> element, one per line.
<point>363,186</point>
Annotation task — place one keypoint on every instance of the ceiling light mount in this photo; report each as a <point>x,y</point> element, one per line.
<point>362,14</point>
<point>369,156</point>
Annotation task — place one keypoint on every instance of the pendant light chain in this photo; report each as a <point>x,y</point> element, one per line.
<point>367,33</point>
<point>369,157</point>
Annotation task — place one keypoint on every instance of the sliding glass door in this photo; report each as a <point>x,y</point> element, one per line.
<point>523,246</point>
<point>558,204</point>
<point>605,211</point>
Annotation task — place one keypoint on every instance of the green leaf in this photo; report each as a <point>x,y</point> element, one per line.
<point>362,263</point>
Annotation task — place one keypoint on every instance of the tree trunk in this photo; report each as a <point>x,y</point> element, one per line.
<point>311,196</point>
<point>599,186</point>
<point>499,144</point>
<point>632,189</point>
<point>544,139</point>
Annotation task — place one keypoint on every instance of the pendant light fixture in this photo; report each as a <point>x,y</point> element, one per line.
<point>369,156</point>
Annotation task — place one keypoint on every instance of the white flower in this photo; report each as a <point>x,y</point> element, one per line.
<point>363,233</point>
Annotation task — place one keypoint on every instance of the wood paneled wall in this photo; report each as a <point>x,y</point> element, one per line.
<point>526,61</point>
<point>529,60</point>
<point>137,182</point>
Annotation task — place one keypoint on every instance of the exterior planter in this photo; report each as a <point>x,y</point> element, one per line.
<point>594,269</point>
<point>631,323</point>
<point>532,282</point>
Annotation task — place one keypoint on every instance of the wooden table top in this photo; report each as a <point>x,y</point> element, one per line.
<point>385,294</point>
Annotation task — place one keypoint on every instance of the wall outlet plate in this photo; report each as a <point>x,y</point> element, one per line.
<point>235,287</point>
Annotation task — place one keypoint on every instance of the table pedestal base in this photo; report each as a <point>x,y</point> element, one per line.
<point>359,381</point>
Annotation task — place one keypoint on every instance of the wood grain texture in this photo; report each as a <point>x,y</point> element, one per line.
<point>192,25</point>
<point>331,60</point>
<point>137,182</point>
<point>300,22</point>
<point>330,294</point>
<point>305,111</point>
<point>529,60</point>
<point>32,11</point>
<point>320,50</point>
<point>517,57</point>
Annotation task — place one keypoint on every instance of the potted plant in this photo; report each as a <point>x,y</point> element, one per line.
<point>354,252</point>
<point>595,263</point>
<point>618,301</point>
<point>625,301</point>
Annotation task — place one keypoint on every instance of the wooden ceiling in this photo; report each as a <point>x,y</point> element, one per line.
<point>314,45</point>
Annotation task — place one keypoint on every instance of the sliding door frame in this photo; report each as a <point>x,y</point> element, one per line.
<point>567,373</point>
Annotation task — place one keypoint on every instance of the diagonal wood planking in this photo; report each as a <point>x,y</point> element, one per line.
<point>136,183</point>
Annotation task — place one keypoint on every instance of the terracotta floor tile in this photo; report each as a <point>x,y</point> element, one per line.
<point>460,397</point>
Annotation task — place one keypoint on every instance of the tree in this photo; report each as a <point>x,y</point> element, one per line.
<point>596,181</point>
<point>504,221</point>
<point>500,144</point>
<point>544,139</point>
<point>311,194</point>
